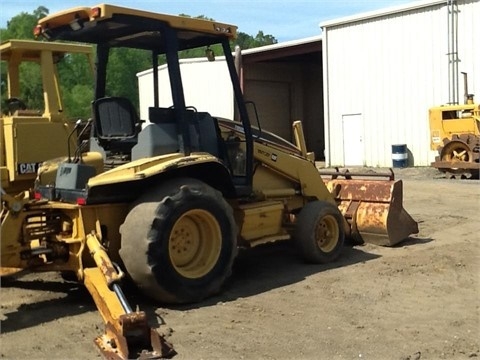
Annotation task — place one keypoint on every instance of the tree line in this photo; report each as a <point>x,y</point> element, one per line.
<point>76,80</point>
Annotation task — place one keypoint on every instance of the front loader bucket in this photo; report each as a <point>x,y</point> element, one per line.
<point>373,209</point>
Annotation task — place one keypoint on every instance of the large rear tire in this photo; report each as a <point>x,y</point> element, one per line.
<point>179,241</point>
<point>319,232</point>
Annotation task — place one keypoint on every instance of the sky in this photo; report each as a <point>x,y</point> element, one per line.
<point>284,19</point>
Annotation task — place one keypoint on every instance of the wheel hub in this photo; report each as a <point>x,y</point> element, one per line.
<point>327,233</point>
<point>185,242</point>
<point>195,243</point>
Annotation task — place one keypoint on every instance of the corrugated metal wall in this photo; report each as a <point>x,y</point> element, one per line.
<point>385,72</point>
<point>206,85</point>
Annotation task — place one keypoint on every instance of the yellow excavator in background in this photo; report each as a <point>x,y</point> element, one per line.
<point>30,136</point>
<point>455,135</point>
<point>170,202</point>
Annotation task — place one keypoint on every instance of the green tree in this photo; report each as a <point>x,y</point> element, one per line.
<point>21,26</point>
<point>246,41</point>
<point>123,66</point>
<point>76,81</point>
<point>31,85</point>
<point>77,100</point>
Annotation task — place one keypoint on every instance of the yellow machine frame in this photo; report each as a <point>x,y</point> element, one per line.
<point>30,136</point>
<point>455,136</point>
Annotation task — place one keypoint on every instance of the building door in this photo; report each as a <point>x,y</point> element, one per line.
<point>353,149</point>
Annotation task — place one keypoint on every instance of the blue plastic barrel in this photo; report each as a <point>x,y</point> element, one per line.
<point>399,155</point>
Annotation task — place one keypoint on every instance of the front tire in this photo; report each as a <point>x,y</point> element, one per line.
<point>319,232</point>
<point>179,242</point>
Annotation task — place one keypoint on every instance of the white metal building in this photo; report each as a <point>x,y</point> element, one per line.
<point>284,81</point>
<point>366,83</point>
<point>206,85</point>
<point>383,70</point>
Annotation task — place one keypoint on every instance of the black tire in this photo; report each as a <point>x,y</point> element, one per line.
<point>179,241</point>
<point>319,232</point>
<point>69,276</point>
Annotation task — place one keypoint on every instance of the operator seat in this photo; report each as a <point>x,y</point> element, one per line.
<point>116,124</point>
<point>205,133</point>
<point>160,136</point>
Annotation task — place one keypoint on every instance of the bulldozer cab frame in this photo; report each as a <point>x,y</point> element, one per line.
<point>26,133</point>
<point>455,136</point>
<point>111,27</point>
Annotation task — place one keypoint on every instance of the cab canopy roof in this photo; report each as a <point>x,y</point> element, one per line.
<point>126,27</point>
<point>30,50</point>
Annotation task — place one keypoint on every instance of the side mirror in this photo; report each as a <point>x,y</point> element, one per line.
<point>210,54</point>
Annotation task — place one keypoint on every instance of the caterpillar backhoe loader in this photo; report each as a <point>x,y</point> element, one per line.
<point>169,202</point>
<point>28,135</point>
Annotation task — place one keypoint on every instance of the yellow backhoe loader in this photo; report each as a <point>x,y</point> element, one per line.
<point>169,203</point>
<point>455,135</point>
<point>28,136</point>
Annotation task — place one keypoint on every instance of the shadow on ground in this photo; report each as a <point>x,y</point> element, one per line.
<point>70,299</point>
<point>255,271</point>
<point>272,266</point>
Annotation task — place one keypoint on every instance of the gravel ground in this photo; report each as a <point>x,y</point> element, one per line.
<point>417,300</point>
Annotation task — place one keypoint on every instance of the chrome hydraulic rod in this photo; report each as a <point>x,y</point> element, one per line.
<point>121,297</point>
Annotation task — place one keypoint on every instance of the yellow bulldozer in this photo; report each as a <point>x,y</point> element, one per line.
<point>30,135</point>
<point>455,135</point>
<point>167,201</point>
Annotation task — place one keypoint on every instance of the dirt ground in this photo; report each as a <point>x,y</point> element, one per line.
<point>418,300</point>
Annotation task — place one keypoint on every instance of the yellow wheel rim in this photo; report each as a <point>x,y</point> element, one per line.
<point>456,151</point>
<point>326,233</point>
<point>195,243</point>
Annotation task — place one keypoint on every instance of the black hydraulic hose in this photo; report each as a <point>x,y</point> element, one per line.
<point>77,124</point>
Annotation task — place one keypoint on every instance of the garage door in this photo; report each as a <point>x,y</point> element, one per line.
<point>272,100</point>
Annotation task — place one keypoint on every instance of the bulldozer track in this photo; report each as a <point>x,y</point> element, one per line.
<point>459,157</point>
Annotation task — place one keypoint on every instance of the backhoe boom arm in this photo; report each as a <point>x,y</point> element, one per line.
<point>127,334</point>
